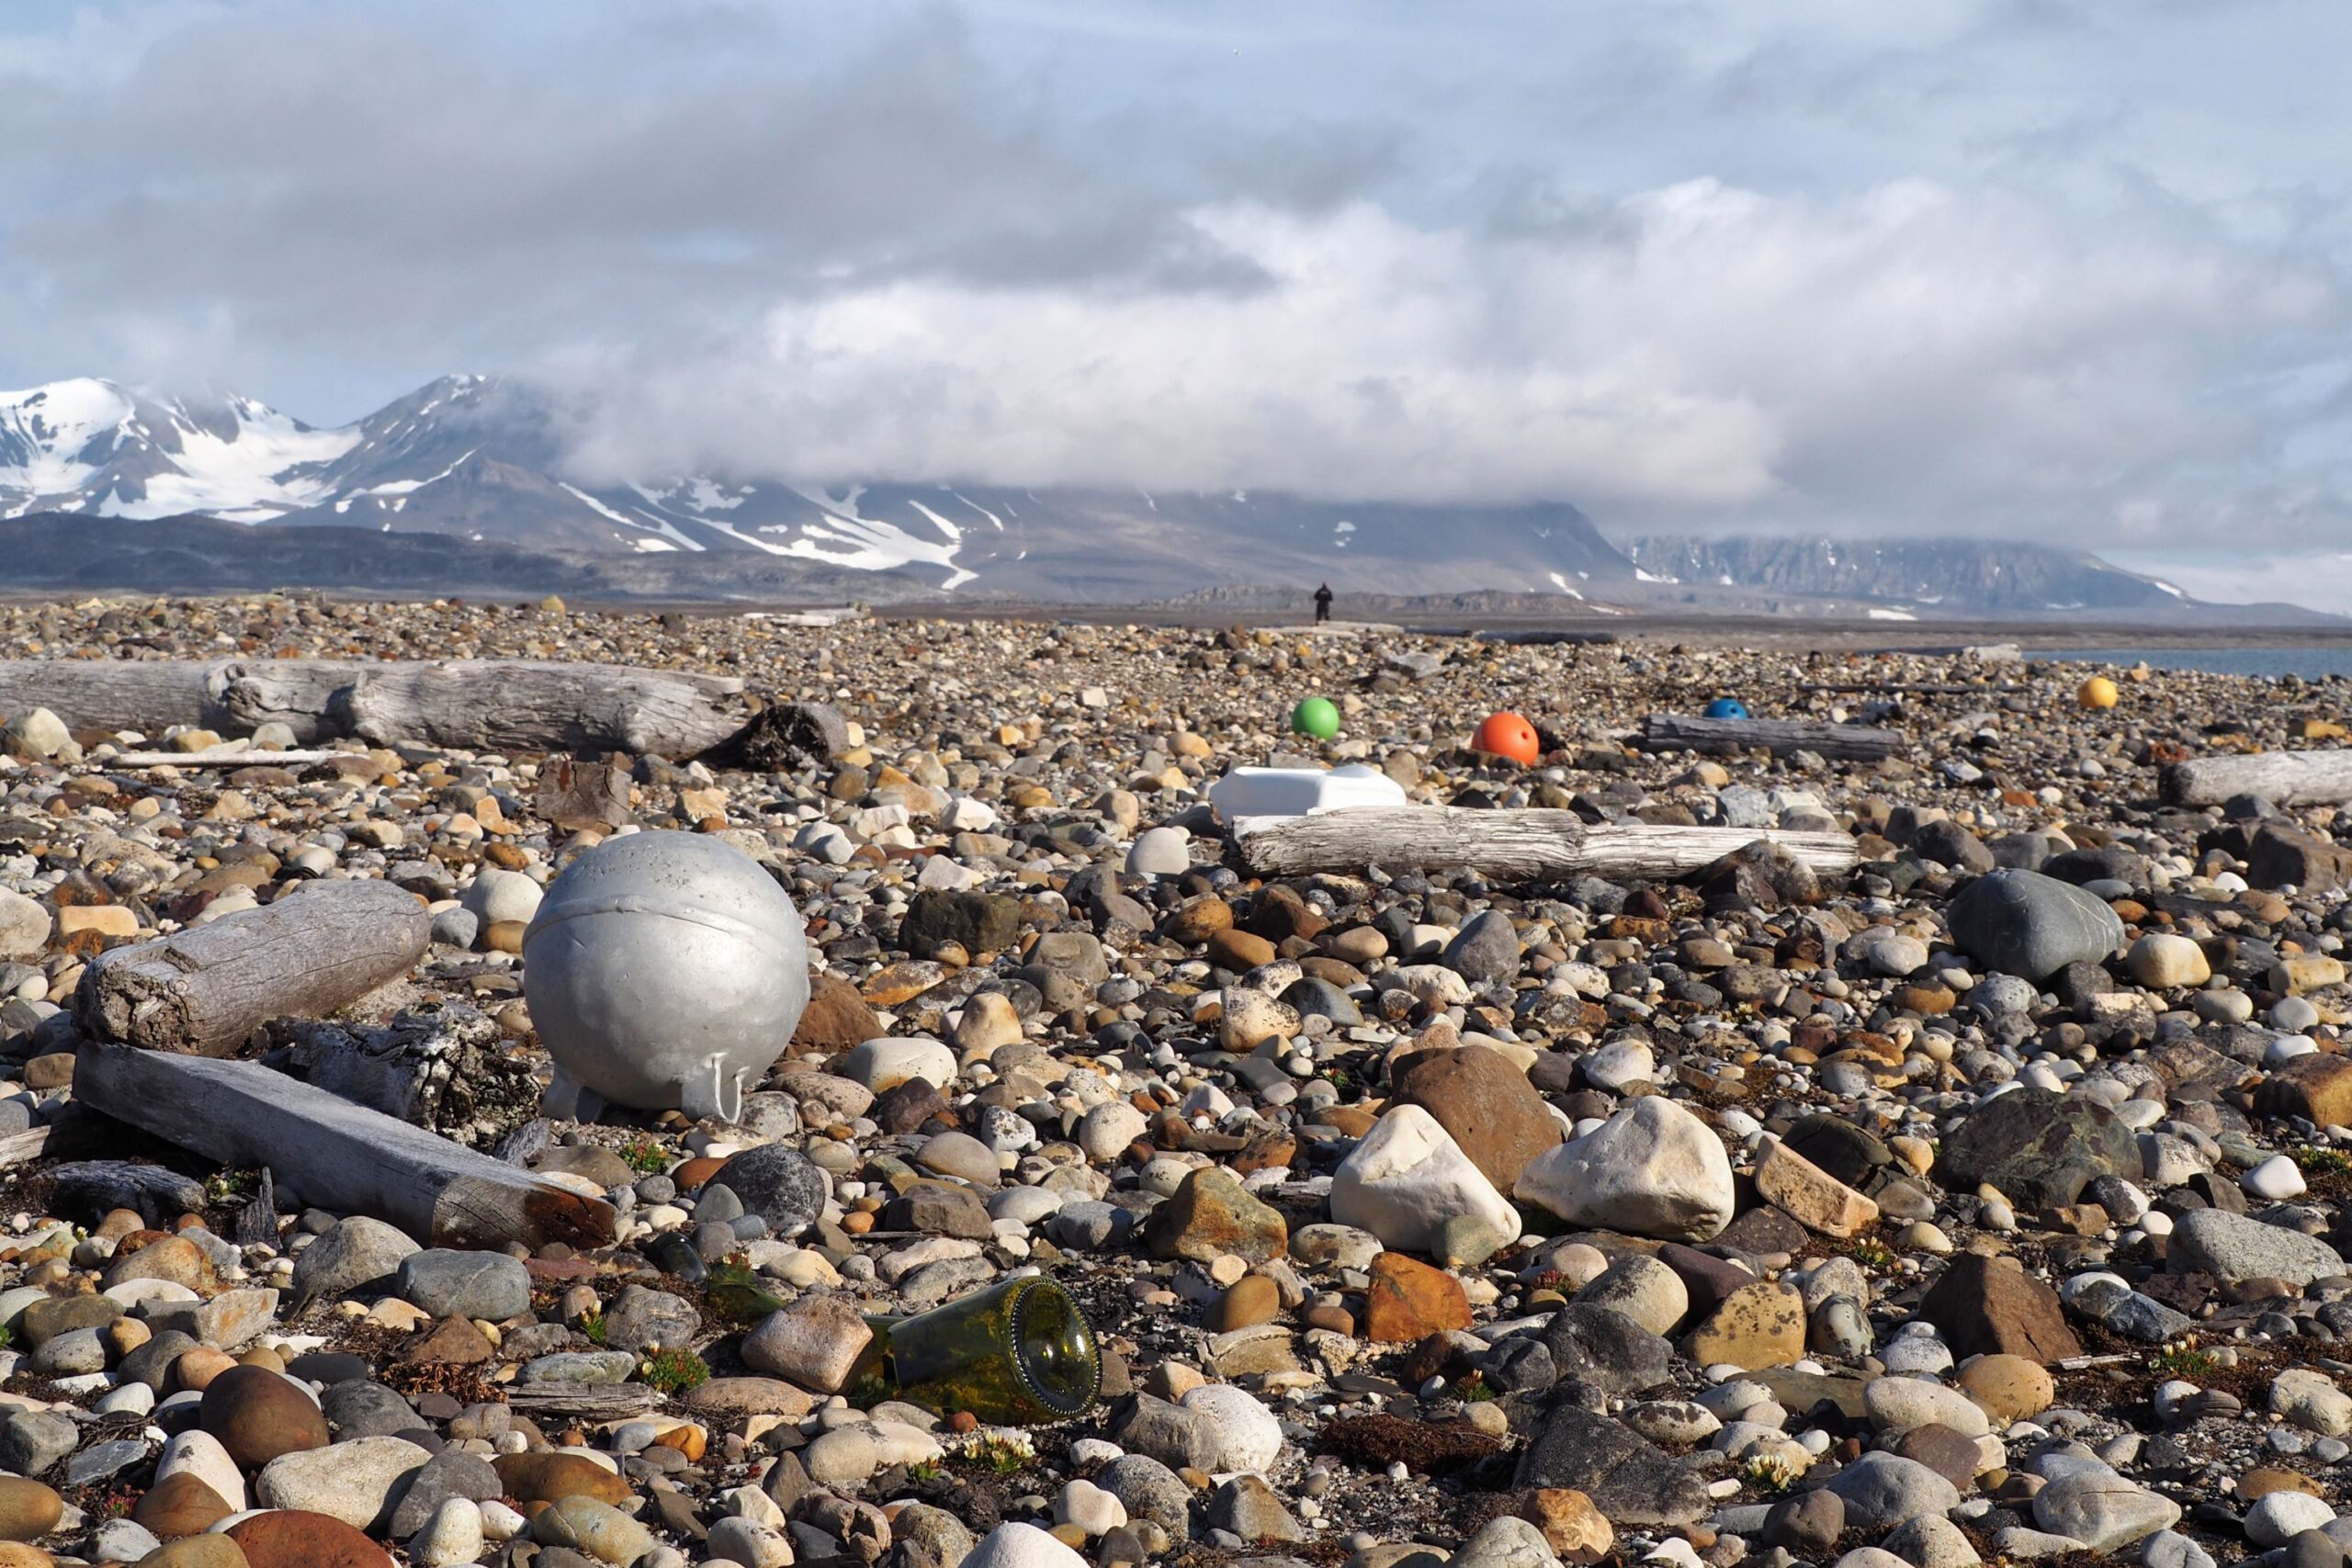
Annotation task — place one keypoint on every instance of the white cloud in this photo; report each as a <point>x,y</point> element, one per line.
<point>1911,355</point>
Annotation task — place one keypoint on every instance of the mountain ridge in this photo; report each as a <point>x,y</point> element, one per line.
<point>485,459</point>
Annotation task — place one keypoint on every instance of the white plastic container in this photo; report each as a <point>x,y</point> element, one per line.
<point>1247,798</point>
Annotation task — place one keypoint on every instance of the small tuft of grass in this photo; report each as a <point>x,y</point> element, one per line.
<point>2183,1361</point>
<point>592,1325</point>
<point>675,1371</point>
<point>2321,1162</point>
<point>1007,1453</point>
<point>1769,1473</point>
<point>645,1156</point>
<point>923,1472</point>
<point>1474,1388</point>
<point>1870,1252</point>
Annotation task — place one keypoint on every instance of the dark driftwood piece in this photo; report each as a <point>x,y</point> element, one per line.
<point>1847,742</point>
<point>2282,778</point>
<point>474,704</point>
<point>206,989</point>
<point>782,737</point>
<point>326,1151</point>
<point>99,1186</point>
<point>1520,846</point>
<point>446,1069</point>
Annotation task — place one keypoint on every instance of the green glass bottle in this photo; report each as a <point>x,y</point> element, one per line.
<point>1015,1354</point>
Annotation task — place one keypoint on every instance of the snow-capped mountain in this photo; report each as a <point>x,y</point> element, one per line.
<point>483,458</point>
<point>1920,576</point>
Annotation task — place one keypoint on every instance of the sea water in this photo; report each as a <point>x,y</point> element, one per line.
<point>2311,663</point>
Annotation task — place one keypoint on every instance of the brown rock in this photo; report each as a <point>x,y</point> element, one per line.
<point>1578,1533</point>
<point>198,1365</point>
<point>1211,1214</point>
<point>1197,919</point>
<point>1987,1305</point>
<point>1810,1195</point>
<point>454,1342</point>
<point>837,1019</point>
<point>1760,1325</point>
<point>258,1415</point>
<point>1278,914</point>
<point>1481,1097</point>
<point>2263,1479</point>
<point>549,1477</point>
<point>1240,950</point>
<point>289,1538</point>
<point>1252,1299</point>
<point>28,1509</point>
<point>180,1504</point>
<point>2010,1388</point>
<point>198,1551</point>
<point>1408,1301</point>
<point>22,1554</point>
<point>169,1257</point>
<point>2318,1087</point>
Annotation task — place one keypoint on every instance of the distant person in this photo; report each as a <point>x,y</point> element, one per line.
<point>1322,603</point>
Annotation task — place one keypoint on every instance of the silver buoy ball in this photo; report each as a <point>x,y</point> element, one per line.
<point>663,969</point>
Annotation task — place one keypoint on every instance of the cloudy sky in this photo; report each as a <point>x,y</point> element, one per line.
<point>2043,268</point>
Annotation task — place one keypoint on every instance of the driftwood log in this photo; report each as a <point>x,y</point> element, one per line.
<point>326,1151</point>
<point>478,705</point>
<point>2282,778</point>
<point>1846,742</point>
<point>1518,846</point>
<point>205,990</point>
<point>446,1069</point>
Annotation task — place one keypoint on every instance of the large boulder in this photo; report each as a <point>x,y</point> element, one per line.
<point>2038,1147</point>
<point>1653,1170</point>
<point>2023,922</point>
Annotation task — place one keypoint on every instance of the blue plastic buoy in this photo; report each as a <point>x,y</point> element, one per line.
<point>1726,708</point>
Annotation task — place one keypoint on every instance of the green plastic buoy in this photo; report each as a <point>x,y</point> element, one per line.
<point>1316,716</point>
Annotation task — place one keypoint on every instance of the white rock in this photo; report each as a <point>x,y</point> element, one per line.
<point>1106,1132</point>
<point>748,1542</point>
<point>2277,1179</point>
<point>1408,1177</point>
<point>1089,1508</point>
<point>200,1454</point>
<point>499,895</point>
<point>1021,1546</point>
<point>352,1480</point>
<point>1897,1404</point>
<point>1248,1435</point>
<point>2162,961</point>
<point>453,1536</point>
<point>1616,1066</point>
<point>883,1065</point>
<point>1160,851</point>
<point>1653,1169</point>
<point>2311,1401</point>
<point>2279,1516</point>
<point>24,927</point>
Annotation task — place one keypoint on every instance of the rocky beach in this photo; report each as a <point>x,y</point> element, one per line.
<point>1987,1200</point>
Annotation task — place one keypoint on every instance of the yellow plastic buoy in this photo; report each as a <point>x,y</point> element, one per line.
<point>2099,691</point>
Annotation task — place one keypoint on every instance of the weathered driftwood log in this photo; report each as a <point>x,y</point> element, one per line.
<point>1520,846</point>
<point>206,989</point>
<point>98,1187</point>
<point>221,757</point>
<point>1848,742</point>
<point>586,1401</point>
<point>2282,778</point>
<point>476,704</point>
<point>447,1070</point>
<point>322,1150</point>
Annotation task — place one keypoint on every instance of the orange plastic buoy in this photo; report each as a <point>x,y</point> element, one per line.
<point>1508,735</point>
<point>2099,691</point>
